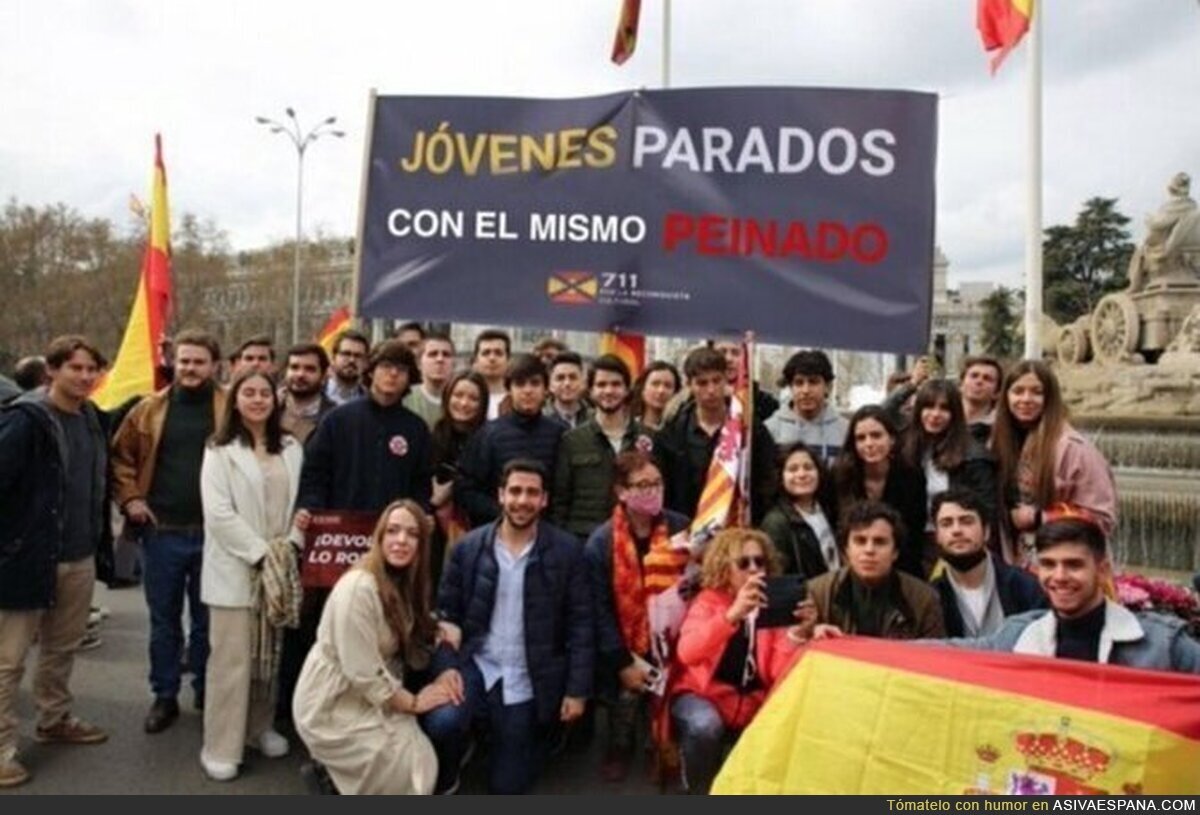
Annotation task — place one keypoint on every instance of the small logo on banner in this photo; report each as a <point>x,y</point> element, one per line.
<point>572,288</point>
<point>398,445</point>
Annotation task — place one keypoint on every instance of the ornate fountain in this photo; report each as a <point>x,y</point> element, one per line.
<point>1130,372</point>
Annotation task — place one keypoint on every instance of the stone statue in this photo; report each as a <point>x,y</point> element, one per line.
<point>1172,229</point>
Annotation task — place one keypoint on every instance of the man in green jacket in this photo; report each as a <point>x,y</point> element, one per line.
<point>583,478</point>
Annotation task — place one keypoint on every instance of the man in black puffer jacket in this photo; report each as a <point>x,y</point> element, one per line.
<point>517,604</point>
<point>523,433</point>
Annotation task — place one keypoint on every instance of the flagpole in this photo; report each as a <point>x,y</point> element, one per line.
<point>657,353</point>
<point>1033,234</point>
<point>666,45</point>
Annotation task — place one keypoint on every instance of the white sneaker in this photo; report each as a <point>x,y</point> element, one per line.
<point>219,770</point>
<point>272,745</point>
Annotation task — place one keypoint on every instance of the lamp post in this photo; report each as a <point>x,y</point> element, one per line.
<point>300,140</point>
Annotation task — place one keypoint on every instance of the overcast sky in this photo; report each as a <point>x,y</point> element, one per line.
<point>85,85</point>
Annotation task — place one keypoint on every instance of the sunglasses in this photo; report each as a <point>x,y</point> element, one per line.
<point>747,561</point>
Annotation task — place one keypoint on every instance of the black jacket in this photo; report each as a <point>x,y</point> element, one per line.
<point>1018,591</point>
<point>797,544</point>
<point>494,445</point>
<point>559,650</point>
<point>904,491</point>
<point>33,489</point>
<point>362,456</point>
<point>684,453</point>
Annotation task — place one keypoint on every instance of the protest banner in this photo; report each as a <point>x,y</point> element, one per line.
<point>805,215</point>
<point>333,542</point>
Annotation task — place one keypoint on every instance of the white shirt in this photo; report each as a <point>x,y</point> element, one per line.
<point>824,532</point>
<point>503,653</point>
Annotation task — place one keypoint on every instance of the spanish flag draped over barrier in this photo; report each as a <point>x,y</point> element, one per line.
<point>135,371</point>
<point>1002,24</point>
<point>629,348</point>
<point>338,322</point>
<point>867,716</point>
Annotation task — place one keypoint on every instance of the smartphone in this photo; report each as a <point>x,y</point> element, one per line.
<point>784,593</point>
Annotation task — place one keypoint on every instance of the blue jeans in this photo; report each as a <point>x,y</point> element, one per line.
<point>171,571</point>
<point>701,735</point>
<point>517,740</point>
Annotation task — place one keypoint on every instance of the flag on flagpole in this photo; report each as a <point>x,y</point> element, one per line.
<point>629,348</point>
<point>865,716</point>
<point>1002,24</point>
<point>725,498</point>
<point>627,29</point>
<point>338,322</point>
<point>136,371</point>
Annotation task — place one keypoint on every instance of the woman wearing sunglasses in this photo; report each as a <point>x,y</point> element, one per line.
<point>722,681</point>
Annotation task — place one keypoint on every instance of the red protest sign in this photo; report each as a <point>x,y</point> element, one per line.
<point>333,542</point>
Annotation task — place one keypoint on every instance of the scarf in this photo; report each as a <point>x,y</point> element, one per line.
<point>275,599</point>
<point>634,583</point>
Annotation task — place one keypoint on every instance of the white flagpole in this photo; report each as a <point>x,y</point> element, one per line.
<point>1033,234</point>
<point>666,44</point>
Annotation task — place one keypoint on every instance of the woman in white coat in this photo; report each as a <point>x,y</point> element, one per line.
<point>351,706</point>
<point>248,484</point>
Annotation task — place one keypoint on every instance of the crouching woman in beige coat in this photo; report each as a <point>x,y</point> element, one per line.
<point>350,707</point>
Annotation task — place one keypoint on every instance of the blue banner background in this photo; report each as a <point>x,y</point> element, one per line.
<point>791,300</point>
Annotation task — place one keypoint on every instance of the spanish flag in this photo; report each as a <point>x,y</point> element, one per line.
<point>627,28</point>
<point>1002,24</point>
<point>338,322</point>
<point>725,499</point>
<point>868,716</point>
<point>629,348</point>
<point>135,371</point>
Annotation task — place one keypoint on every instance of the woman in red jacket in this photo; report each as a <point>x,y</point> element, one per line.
<point>720,682</point>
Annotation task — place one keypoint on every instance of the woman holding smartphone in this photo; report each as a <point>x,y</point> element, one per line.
<point>725,663</point>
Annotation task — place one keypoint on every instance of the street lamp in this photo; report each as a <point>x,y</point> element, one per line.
<point>300,140</point>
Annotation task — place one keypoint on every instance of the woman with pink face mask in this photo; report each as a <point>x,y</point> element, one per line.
<point>630,559</point>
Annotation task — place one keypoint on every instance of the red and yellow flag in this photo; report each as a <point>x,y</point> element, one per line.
<point>338,322</point>
<point>725,499</point>
<point>629,348</point>
<point>1002,24</point>
<point>136,369</point>
<point>867,716</point>
<point>627,29</point>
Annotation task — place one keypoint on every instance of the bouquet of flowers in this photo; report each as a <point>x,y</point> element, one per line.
<point>1140,593</point>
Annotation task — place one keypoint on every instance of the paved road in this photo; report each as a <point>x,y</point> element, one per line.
<point>111,691</point>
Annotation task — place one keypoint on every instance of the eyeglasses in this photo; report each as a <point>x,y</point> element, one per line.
<point>745,562</point>
<point>645,486</point>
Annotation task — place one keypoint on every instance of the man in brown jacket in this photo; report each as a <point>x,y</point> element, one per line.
<point>156,458</point>
<point>869,596</point>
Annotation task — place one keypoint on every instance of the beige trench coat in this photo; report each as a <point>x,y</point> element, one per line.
<point>340,705</point>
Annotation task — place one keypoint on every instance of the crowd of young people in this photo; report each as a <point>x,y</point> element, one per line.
<point>531,562</point>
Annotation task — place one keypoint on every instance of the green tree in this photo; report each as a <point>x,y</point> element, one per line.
<point>1086,260</point>
<point>1000,324</point>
